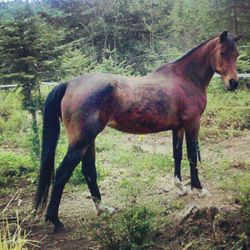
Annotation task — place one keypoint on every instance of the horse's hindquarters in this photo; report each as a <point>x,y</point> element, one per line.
<point>86,112</point>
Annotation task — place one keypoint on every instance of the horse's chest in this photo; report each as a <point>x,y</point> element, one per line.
<point>193,108</point>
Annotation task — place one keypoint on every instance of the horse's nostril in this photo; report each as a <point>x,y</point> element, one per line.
<point>233,84</point>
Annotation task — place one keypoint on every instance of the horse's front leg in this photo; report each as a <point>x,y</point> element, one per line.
<point>177,155</point>
<point>191,133</point>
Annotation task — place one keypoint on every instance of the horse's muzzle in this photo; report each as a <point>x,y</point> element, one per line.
<point>233,85</point>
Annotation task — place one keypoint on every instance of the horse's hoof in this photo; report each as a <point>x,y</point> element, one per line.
<point>100,208</point>
<point>201,192</point>
<point>182,189</point>
<point>111,210</point>
<point>204,193</point>
<point>60,229</point>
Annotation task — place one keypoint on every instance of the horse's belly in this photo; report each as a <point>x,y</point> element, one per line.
<point>142,125</point>
<point>147,108</point>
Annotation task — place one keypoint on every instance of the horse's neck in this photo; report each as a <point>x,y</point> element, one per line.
<point>196,66</point>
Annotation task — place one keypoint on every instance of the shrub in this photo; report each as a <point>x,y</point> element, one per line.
<point>13,165</point>
<point>73,63</point>
<point>131,229</point>
<point>245,200</point>
<point>11,113</point>
<point>111,66</point>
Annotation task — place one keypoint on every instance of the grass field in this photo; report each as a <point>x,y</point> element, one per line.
<point>135,175</point>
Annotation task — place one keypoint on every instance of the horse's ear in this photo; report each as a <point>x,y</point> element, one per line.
<point>223,36</point>
<point>238,37</point>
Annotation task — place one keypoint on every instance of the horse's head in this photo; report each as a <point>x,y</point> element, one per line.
<point>223,59</point>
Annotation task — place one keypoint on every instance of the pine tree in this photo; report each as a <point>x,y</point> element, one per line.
<point>28,49</point>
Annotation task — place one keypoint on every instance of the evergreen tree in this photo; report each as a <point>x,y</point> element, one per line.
<point>233,15</point>
<point>192,22</point>
<point>28,48</point>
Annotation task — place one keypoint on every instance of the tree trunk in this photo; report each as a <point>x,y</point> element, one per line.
<point>35,135</point>
<point>31,107</point>
<point>235,24</point>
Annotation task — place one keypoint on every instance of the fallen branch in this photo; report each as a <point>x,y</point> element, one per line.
<point>13,197</point>
<point>187,213</point>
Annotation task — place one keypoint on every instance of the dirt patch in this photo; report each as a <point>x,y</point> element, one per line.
<point>207,228</point>
<point>236,149</point>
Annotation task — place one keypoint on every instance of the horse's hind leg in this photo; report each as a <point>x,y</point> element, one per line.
<point>89,172</point>
<point>177,155</point>
<point>63,173</point>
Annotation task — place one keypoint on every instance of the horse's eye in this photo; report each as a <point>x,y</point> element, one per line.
<point>222,53</point>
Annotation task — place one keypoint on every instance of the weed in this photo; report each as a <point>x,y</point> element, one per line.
<point>174,205</point>
<point>133,228</point>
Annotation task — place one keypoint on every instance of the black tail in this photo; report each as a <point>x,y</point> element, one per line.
<point>51,131</point>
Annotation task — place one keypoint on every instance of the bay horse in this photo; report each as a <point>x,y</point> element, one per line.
<point>173,97</point>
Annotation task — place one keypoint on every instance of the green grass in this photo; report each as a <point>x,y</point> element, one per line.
<point>13,166</point>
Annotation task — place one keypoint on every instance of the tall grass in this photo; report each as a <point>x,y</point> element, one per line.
<point>10,240</point>
<point>13,236</point>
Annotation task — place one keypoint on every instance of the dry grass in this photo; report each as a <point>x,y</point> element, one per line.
<point>12,235</point>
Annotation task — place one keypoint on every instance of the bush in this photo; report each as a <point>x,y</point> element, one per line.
<point>243,63</point>
<point>73,63</point>
<point>131,229</point>
<point>13,165</point>
<point>11,113</point>
<point>227,111</point>
<point>111,66</point>
<point>245,200</point>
